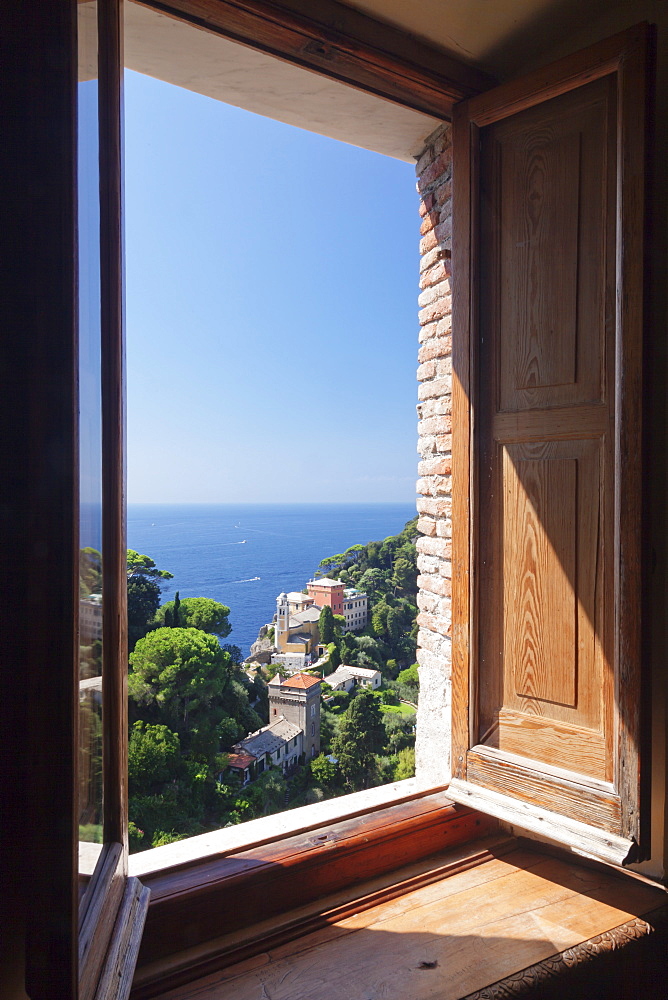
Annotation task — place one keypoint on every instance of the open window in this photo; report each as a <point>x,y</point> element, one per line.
<point>548,249</point>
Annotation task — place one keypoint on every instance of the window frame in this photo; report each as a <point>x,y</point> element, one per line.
<point>367,55</point>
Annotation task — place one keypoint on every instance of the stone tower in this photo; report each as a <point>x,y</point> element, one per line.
<point>298,699</point>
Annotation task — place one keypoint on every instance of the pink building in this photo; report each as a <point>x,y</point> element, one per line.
<point>326,591</point>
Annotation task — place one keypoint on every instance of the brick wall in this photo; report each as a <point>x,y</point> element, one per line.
<point>434,171</point>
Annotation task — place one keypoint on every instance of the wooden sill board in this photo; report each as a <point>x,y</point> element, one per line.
<point>450,938</point>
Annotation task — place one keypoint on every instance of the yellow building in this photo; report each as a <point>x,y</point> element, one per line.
<point>296,634</point>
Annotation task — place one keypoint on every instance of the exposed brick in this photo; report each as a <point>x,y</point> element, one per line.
<point>426,370</point>
<point>440,140</point>
<point>439,466</point>
<point>436,347</point>
<point>432,257</point>
<point>426,525</point>
<point>429,295</point>
<point>445,212</point>
<point>442,586</point>
<point>439,328</point>
<point>434,623</point>
<point>441,424</point>
<point>426,204</point>
<point>433,486</point>
<point>427,602</point>
<point>444,229</point>
<point>437,387</point>
<point>435,641</point>
<point>445,569</point>
<point>444,443</point>
<point>443,192</point>
<point>444,528</point>
<point>433,547</point>
<point>439,309</point>
<point>426,158</point>
<point>435,508</point>
<point>437,407</point>
<point>441,165</point>
<point>439,272</point>
<point>428,564</point>
<point>428,242</point>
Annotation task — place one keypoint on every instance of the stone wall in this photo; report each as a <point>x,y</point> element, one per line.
<point>434,172</point>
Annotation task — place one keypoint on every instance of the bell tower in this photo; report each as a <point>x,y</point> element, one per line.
<point>282,621</point>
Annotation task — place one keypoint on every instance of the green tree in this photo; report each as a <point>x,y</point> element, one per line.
<point>326,625</point>
<point>409,676</point>
<point>324,771</point>
<point>405,764</point>
<point>360,737</point>
<point>404,575</point>
<point>143,602</point>
<point>196,612</point>
<point>90,571</point>
<point>334,660</point>
<point>145,566</point>
<point>143,593</point>
<point>154,756</point>
<point>181,673</point>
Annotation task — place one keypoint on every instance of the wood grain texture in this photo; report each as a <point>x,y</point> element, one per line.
<point>521,814</point>
<point>540,211</point>
<point>556,395</point>
<point>561,966</point>
<point>114,547</point>
<point>97,920</point>
<point>464,272</point>
<point>322,918</point>
<point>116,977</point>
<point>191,906</point>
<point>633,117</point>
<point>539,547</point>
<point>545,787</point>
<point>438,941</point>
<point>340,43</point>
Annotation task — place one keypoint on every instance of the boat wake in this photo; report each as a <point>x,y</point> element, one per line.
<point>251,579</point>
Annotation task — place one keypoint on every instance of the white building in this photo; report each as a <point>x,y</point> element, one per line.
<point>90,618</point>
<point>355,609</point>
<point>345,678</point>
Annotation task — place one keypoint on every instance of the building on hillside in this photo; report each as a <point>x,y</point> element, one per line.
<point>355,609</point>
<point>297,699</point>
<point>326,591</point>
<point>296,635</point>
<point>242,765</point>
<point>298,601</point>
<point>90,619</point>
<point>281,744</point>
<point>345,678</point>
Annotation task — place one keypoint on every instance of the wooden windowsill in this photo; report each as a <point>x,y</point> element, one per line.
<point>204,913</point>
<point>500,919</point>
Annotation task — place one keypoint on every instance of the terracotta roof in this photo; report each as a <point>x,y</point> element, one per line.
<point>242,760</point>
<point>303,681</point>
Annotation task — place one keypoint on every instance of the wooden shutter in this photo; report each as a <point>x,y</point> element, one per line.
<point>547,349</point>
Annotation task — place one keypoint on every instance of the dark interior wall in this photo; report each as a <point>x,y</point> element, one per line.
<point>37,452</point>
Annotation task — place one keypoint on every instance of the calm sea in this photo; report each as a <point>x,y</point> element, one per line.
<point>244,555</point>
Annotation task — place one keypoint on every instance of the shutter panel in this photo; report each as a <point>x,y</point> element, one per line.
<point>547,347</point>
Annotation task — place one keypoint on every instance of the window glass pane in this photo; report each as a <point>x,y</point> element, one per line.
<point>90,448</point>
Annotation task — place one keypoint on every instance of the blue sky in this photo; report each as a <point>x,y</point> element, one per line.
<point>271,308</point>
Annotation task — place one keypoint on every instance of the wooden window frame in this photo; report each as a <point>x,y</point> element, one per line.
<point>627,56</point>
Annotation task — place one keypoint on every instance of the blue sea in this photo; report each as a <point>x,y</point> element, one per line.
<point>244,555</point>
